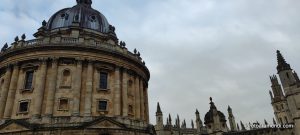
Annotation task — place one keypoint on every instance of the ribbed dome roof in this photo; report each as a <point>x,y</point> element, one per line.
<point>81,14</point>
<point>209,116</point>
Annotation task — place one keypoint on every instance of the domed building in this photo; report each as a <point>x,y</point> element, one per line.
<point>75,77</point>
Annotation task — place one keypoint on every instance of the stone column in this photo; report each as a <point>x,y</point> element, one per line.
<point>40,88</point>
<point>12,92</point>
<point>77,88</point>
<point>137,98</point>
<point>4,91</point>
<point>124,93</point>
<point>142,99</point>
<point>89,90</point>
<point>117,92</point>
<point>51,88</point>
<point>146,105</point>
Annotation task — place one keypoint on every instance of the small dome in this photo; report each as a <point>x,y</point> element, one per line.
<point>82,14</point>
<point>209,117</point>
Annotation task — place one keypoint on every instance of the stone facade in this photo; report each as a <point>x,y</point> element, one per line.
<point>74,78</point>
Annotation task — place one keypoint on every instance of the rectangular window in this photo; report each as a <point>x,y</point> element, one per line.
<point>103,80</point>
<point>63,105</point>
<point>23,107</point>
<point>102,106</point>
<point>28,80</point>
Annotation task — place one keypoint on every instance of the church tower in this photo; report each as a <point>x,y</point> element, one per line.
<point>279,103</point>
<point>159,120</point>
<point>290,83</point>
<point>231,120</point>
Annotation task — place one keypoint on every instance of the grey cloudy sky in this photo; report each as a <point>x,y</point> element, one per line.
<point>194,48</point>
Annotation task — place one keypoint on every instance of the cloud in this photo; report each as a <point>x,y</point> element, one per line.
<point>194,49</point>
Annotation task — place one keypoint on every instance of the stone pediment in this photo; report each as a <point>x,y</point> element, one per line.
<point>12,127</point>
<point>105,124</point>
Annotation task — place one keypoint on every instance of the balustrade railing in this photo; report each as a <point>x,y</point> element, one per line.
<point>70,41</point>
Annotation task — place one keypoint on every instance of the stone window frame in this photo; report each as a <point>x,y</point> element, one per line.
<point>109,72</point>
<point>25,69</point>
<point>28,106</point>
<point>62,85</point>
<point>59,105</point>
<point>98,103</point>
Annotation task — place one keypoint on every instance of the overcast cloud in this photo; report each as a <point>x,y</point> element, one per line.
<point>194,49</point>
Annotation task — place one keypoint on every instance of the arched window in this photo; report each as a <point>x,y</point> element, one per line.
<point>28,80</point>
<point>66,78</point>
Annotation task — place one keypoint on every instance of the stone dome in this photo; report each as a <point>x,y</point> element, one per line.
<point>209,116</point>
<point>81,15</point>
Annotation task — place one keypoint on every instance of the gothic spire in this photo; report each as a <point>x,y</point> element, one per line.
<point>158,110</point>
<point>197,112</point>
<point>282,65</point>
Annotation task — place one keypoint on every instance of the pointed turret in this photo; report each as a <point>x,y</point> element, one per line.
<point>282,65</point>
<point>238,127</point>
<point>170,119</point>
<point>231,119</point>
<point>285,72</point>
<point>276,88</point>
<point>159,118</point>
<point>192,124</point>
<point>274,122</point>
<point>199,123</point>
<point>158,110</point>
<point>243,126</point>
<point>266,123</point>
